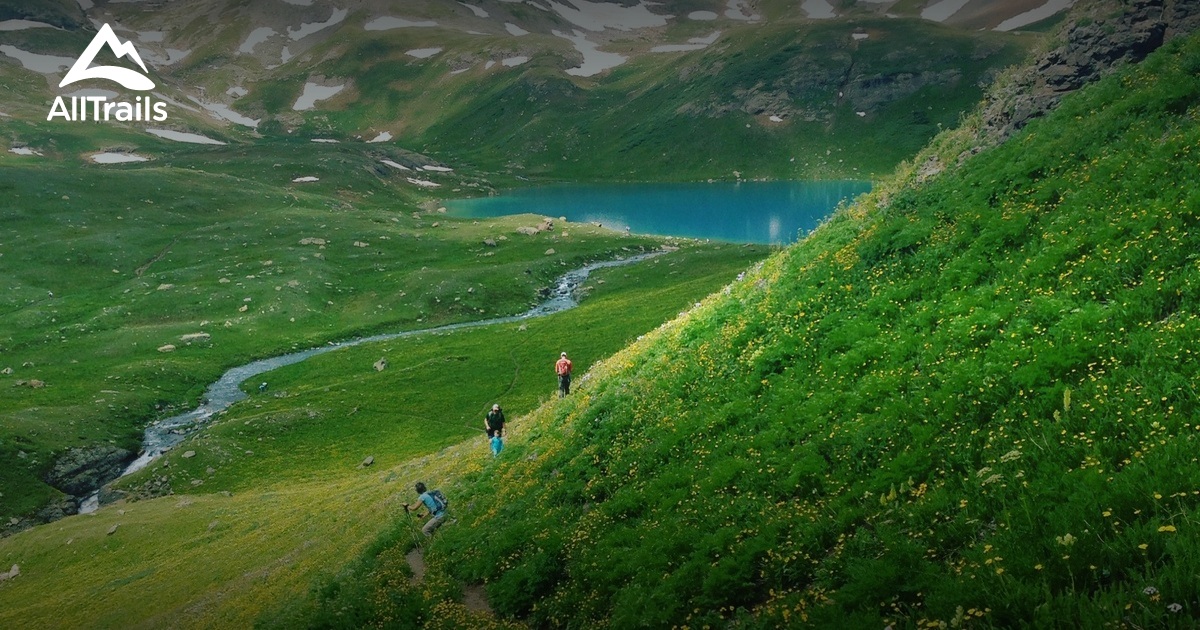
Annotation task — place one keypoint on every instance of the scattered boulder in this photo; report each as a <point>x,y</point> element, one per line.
<point>546,226</point>
<point>165,287</point>
<point>167,348</point>
<point>313,241</point>
<point>112,530</point>
<point>11,573</point>
<point>490,242</point>
<point>381,365</point>
<point>528,231</point>
<point>367,462</point>
<point>550,252</point>
<point>34,383</point>
<point>435,224</point>
<point>6,371</point>
<point>189,454</point>
<point>200,336</point>
<point>361,244</point>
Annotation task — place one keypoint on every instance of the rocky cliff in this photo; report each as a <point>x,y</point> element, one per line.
<point>1099,36</point>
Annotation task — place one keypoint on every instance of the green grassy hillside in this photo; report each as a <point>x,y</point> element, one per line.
<point>105,266</point>
<point>973,404</point>
<point>275,498</point>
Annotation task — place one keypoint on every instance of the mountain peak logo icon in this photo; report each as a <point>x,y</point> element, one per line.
<point>126,77</point>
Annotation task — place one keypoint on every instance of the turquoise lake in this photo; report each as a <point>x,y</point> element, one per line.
<point>774,213</point>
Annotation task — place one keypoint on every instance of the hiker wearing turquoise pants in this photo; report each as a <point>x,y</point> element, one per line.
<point>435,506</point>
<point>563,369</point>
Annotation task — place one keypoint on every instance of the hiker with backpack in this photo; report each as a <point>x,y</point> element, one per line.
<point>493,423</point>
<point>435,506</point>
<point>563,369</point>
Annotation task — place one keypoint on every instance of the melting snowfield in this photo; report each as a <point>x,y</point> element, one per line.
<point>308,29</point>
<point>599,16</point>
<point>313,93</point>
<point>1047,10</point>
<point>179,136</point>
<point>117,158</point>
<point>423,53</point>
<point>44,64</point>
<point>20,25</point>
<point>383,136</point>
<point>256,37</point>
<point>818,9</point>
<point>389,23</point>
<point>23,151</point>
<point>941,11</point>
<point>595,60</point>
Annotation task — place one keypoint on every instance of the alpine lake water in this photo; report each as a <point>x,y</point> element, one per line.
<point>771,213</point>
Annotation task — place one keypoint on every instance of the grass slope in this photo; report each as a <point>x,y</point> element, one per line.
<point>973,406</point>
<point>262,527</point>
<point>104,266</point>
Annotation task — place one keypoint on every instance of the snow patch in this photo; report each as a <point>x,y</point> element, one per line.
<point>325,141</point>
<point>423,183</point>
<point>595,60</point>
<point>942,10</point>
<point>476,10</point>
<point>437,169</point>
<point>21,25</point>
<point>85,4</point>
<point>383,136</point>
<point>44,64</point>
<point>308,29</point>
<point>1049,9</point>
<point>309,178</point>
<point>423,53</point>
<point>513,62</point>
<point>151,37</point>
<point>256,37</point>
<point>237,91</point>
<point>175,102</point>
<point>117,158</point>
<point>738,10</point>
<point>223,112</point>
<point>313,93</point>
<point>395,165</point>
<point>389,23</point>
<point>179,136</point>
<point>818,9</point>
<point>858,37</point>
<point>514,30</point>
<point>23,151</point>
<point>775,119</point>
<point>702,16</point>
<point>599,16</point>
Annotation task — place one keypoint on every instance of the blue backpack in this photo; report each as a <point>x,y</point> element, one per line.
<point>439,500</point>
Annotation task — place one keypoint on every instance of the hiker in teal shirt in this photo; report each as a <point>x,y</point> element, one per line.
<point>435,506</point>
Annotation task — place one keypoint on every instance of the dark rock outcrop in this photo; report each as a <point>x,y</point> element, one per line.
<point>81,471</point>
<point>1099,37</point>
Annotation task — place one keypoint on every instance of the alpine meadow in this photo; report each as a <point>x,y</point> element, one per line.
<point>968,399</point>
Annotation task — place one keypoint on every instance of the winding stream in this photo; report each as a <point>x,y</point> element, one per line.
<point>165,434</point>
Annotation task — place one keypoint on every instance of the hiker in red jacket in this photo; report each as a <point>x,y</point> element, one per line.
<point>563,369</point>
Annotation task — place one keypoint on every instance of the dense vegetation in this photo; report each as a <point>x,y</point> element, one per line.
<point>969,403</point>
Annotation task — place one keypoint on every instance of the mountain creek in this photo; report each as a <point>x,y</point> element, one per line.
<point>166,434</point>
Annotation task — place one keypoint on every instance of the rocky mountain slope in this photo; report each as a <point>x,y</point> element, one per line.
<point>532,88</point>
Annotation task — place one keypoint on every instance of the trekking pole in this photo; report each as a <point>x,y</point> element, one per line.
<point>410,527</point>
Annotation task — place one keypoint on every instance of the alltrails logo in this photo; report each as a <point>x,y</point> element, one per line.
<point>101,109</point>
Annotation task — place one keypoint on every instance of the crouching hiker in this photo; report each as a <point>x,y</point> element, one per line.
<point>435,506</point>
